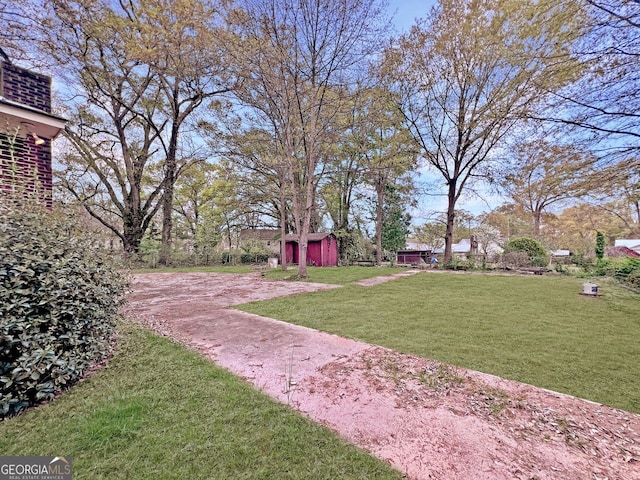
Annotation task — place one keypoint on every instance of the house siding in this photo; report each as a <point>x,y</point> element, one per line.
<point>24,166</point>
<point>25,87</point>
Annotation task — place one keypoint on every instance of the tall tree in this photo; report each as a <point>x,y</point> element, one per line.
<point>388,153</point>
<point>112,167</point>
<point>193,204</point>
<point>395,223</point>
<point>430,233</point>
<point>136,71</point>
<point>469,72</point>
<point>340,193</point>
<point>616,189</point>
<point>575,228</point>
<point>181,42</point>
<point>510,220</point>
<point>262,176</point>
<point>604,104</point>
<point>228,203</point>
<point>542,176</point>
<point>299,60</point>
<point>15,27</point>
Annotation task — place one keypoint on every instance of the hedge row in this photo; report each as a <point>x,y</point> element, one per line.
<point>535,252</point>
<point>58,305</point>
<point>626,270</point>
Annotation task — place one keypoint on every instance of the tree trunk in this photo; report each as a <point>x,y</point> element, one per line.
<point>303,246</point>
<point>131,236</point>
<point>343,228</point>
<point>229,239</point>
<point>343,242</point>
<point>379,211</point>
<point>303,235</point>
<point>451,216</point>
<point>283,225</point>
<point>537,217</point>
<point>167,198</point>
<point>305,224</point>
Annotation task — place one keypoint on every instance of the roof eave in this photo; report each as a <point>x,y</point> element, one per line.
<point>30,120</point>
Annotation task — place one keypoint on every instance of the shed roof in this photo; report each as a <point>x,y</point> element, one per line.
<point>632,243</point>
<point>314,237</point>
<point>259,234</point>
<point>622,252</point>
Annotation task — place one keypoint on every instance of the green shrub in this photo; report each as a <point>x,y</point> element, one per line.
<point>560,267</point>
<point>454,263</point>
<point>255,257</point>
<point>600,245</point>
<point>603,267</point>
<point>226,257</point>
<point>580,260</point>
<point>627,270</point>
<point>58,305</point>
<point>633,279</point>
<point>624,269</point>
<point>534,250</point>
<point>516,259</point>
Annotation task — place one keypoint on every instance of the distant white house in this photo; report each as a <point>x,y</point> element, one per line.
<point>266,238</point>
<point>632,243</point>
<point>560,253</point>
<point>463,247</point>
<point>418,246</point>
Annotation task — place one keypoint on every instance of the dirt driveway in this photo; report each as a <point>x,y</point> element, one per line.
<point>429,420</point>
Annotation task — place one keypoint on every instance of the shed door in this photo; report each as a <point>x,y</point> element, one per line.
<point>291,250</point>
<point>314,253</point>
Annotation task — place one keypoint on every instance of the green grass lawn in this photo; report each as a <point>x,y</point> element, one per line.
<point>333,275</point>
<point>158,410</point>
<point>537,330</point>
<point>211,269</point>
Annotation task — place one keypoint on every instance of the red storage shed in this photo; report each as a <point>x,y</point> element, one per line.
<point>322,249</point>
<point>413,257</point>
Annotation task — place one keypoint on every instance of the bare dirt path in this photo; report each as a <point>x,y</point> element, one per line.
<point>429,420</point>
<point>368,282</point>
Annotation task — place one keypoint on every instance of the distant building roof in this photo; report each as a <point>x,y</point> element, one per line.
<point>418,246</point>
<point>622,252</point>
<point>561,253</point>
<point>463,246</point>
<point>632,243</point>
<point>314,237</point>
<point>264,234</point>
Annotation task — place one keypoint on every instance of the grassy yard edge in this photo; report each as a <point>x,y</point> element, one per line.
<point>157,409</point>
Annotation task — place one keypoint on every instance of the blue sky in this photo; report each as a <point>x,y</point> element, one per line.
<point>406,11</point>
<point>404,14</point>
